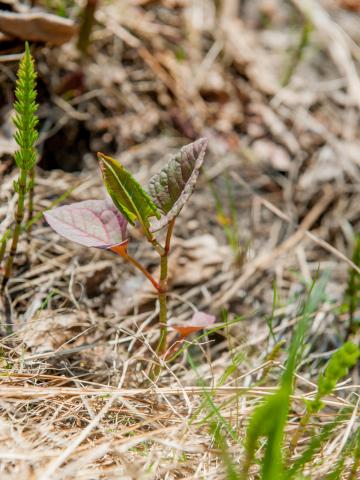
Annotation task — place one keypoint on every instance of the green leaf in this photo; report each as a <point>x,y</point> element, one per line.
<point>25,107</point>
<point>338,366</point>
<point>172,187</point>
<point>268,420</point>
<point>126,193</point>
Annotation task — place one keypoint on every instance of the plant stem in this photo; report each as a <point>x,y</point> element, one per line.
<point>162,345</point>
<point>298,52</point>
<point>25,136</point>
<point>162,296</point>
<point>142,269</point>
<point>298,433</point>
<point>35,218</point>
<point>3,242</point>
<point>19,216</point>
<point>31,198</point>
<point>2,248</point>
<point>86,25</point>
<point>151,239</point>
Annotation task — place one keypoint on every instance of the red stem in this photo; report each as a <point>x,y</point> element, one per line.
<point>142,269</point>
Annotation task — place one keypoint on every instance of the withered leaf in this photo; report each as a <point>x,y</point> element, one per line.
<point>37,27</point>
<point>199,321</point>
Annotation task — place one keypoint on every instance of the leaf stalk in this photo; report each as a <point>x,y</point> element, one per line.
<point>142,269</point>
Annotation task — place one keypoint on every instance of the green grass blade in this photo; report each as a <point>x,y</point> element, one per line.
<point>269,418</point>
<point>313,447</point>
<point>220,443</point>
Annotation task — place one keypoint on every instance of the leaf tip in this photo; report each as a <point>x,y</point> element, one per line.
<point>199,146</point>
<point>201,142</point>
<point>101,157</point>
<point>47,215</point>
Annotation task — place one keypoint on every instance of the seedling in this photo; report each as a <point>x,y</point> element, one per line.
<point>25,157</point>
<point>104,223</point>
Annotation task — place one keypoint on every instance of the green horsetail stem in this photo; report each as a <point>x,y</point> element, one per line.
<point>25,157</point>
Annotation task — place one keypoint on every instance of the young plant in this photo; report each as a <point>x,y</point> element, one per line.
<point>25,158</point>
<point>338,366</point>
<point>103,223</point>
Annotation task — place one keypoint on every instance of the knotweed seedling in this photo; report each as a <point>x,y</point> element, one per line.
<point>104,223</point>
<point>25,157</point>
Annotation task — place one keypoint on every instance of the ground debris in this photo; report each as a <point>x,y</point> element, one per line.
<point>278,205</point>
<point>37,27</point>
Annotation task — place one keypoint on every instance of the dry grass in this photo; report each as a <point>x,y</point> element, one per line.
<point>74,396</point>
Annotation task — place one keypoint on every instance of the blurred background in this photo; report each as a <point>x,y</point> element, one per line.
<point>273,84</point>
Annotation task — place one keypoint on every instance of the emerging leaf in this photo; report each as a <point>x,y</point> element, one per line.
<point>199,321</point>
<point>126,193</point>
<point>93,223</point>
<point>173,186</point>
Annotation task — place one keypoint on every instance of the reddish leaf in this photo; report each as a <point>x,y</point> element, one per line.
<point>93,223</point>
<point>199,321</point>
<point>172,187</point>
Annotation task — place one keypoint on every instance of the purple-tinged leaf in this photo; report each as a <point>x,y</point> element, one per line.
<point>92,223</point>
<point>199,321</point>
<point>173,186</point>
